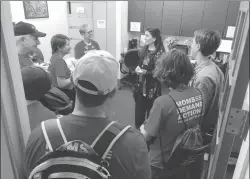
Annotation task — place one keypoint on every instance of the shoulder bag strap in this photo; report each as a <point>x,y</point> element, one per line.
<point>53,134</point>
<point>107,138</point>
<point>160,138</point>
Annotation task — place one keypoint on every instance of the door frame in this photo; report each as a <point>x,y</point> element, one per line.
<point>242,166</point>
<point>234,94</point>
<point>14,113</point>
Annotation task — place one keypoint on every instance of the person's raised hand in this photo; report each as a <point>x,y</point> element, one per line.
<point>140,71</point>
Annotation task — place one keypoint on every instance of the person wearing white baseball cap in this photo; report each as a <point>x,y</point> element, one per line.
<point>95,80</point>
<point>98,68</point>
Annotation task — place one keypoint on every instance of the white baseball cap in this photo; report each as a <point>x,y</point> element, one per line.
<point>100,69</point>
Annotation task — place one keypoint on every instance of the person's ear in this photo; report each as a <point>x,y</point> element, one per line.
<point>59,49</point>
<point>23,40</point>
<point>198,47</point>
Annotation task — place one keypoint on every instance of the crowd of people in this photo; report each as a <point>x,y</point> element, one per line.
<point>171,96</point>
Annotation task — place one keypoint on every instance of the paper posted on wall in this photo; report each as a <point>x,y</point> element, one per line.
<point>230,32</point>
<point>135,26</point>
<point>80,10</point>
<point>225,46</point>
<point>101,24</point>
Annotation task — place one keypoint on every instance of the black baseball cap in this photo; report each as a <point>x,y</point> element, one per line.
<point>36,82</point>
<point>23,28</point>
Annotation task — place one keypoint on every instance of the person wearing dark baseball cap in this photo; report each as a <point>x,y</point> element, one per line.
<point>36,83</point>
<point>26,37</point>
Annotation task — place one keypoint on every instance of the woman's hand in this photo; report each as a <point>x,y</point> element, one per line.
<point>140,71</point>
<point>187,43</point>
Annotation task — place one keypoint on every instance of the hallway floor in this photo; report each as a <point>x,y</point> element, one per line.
<point>123,106</point>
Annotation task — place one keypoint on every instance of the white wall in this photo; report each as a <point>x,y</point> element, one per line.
<point>244,5</point>
<point>124,25</point>
<point>118,32</point>
<point>56,23</point>
<point>121,29</point>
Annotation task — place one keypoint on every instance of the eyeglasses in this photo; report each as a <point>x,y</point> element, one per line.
<point>88,32</point>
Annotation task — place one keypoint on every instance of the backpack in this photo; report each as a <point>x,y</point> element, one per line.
<point>57,101</point>
<point>187,148</point>
<point>76,159</point>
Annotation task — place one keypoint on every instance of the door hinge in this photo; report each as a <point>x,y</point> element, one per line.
<point>245,127</point>
<point>74,27</point>
<point>237,121</point>
<point>74,38</point>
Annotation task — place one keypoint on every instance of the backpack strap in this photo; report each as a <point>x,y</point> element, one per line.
<point>53,134</point>
<point>114,140</point>
<point>104,130</point>
<point>160,138</point>
<point>107,138</point>
<point>55,137</point>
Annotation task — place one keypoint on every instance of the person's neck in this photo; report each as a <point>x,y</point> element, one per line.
<point>165,89</point>
<point>151,46</point>
<point>86,41</point>
<point>60,54</point>
<point>181,86</point>
<point>200,59</point>
<point>95,112</point>
<point>21,50</point>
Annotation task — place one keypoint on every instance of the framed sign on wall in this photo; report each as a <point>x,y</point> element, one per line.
<point>35,9</point>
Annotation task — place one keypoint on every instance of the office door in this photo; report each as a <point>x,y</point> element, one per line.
<point>79,13</point>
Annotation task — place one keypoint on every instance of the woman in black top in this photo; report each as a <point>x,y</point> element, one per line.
<point>148,87</point>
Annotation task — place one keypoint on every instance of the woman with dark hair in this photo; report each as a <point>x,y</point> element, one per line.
<point>58,68</point>
<point>148,88</point>
<point>179,107</point>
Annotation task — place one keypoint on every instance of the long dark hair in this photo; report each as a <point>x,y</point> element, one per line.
<point>156,33</point>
